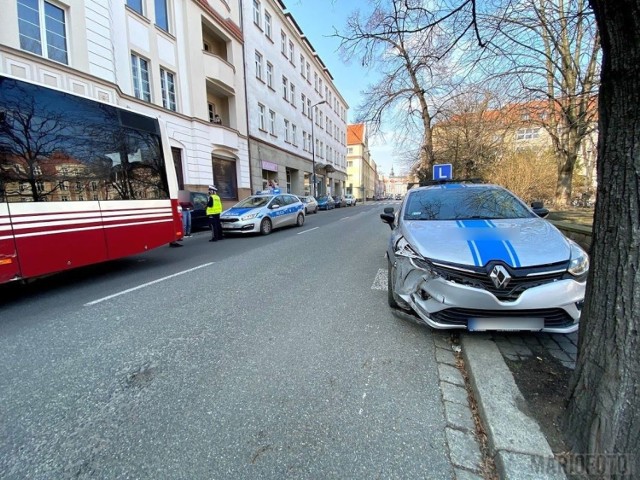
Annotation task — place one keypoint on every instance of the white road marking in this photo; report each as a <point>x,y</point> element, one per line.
<point>380,282</point>
<point>144,285</point>
<point>306,231</point>
<point>366,385</point>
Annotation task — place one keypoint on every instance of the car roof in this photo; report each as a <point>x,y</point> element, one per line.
<point>455,185</point>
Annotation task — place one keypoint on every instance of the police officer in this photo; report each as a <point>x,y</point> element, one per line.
<point>214,209</point>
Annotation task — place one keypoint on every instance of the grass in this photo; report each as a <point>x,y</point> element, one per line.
<point>581,216</point>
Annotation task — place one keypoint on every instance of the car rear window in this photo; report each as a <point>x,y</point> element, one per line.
<point>464,203</point>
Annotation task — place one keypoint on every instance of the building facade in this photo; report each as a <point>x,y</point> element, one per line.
<point>362,171</point>
<point>177,60</point>
<point>296,115</point>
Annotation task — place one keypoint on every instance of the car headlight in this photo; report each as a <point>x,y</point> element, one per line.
<point>249,216</point>
<point>403,249</point>
<point>579,262</point>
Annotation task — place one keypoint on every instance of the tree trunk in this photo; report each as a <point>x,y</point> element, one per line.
<point>565,177</point>
<point>602,415</point>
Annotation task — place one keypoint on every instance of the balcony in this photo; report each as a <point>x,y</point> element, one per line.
<point>219,72</point>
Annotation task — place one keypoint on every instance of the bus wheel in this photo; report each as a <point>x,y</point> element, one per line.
<point>266,227</point>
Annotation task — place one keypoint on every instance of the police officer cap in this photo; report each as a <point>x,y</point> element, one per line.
<point>211,187</point>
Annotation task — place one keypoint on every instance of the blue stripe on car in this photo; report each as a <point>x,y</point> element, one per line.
<point>484,248</point>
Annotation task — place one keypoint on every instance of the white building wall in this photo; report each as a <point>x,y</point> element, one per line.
<point>278,150</point>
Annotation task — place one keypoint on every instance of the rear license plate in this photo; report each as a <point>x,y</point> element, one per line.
<point>505,324</point>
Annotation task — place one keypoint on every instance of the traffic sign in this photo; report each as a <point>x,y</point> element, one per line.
<point>443,171</point>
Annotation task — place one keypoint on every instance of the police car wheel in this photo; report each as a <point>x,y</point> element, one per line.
<point>300,220</point>
<point>266,227</point>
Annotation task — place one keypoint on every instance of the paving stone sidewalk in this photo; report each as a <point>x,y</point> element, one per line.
<point>517,346</point>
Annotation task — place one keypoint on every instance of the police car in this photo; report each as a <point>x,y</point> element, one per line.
<point>475,256</point>
<point>262,213</point>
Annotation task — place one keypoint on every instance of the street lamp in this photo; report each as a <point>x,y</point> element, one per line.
<point>313,145</point>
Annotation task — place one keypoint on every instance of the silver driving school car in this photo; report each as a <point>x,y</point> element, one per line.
<point>263,213</point>
<point>475,256</point>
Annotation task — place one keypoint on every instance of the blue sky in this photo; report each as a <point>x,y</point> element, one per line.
<point>317,19</point>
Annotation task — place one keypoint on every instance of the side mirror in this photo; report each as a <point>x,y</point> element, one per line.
<point>388,218</point>
<point>274,206</point>
<point>538,209</point>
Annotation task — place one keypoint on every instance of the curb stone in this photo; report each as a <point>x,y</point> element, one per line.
<point>515,439</point>
<point>464,449</point>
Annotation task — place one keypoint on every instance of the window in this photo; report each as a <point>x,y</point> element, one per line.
<point>320,88</point>
<point>315,81</point>
<point>304,104</point>
<point>256,12</point>
<point>285,88</point>
<point>269,75</point>
<point>527,133</point>
<point>212,111</point>
<point>168,84</point>
<point>286,131</point>
<point>162,15</point>
<point>272,122</point>
<point>292,88</point>
<point>267,24</point>
<point>291,52</point>
<point>140,72</point>
<point>294,134</point>
<point>309,112</point>
<point>302,65</point>
<point>224,173</point>
<point>258,65</point>
<point>308,72</point>
<point>135,5</point>
<point>38,19</point>
<point>283,43</point>
<point>261,120</point>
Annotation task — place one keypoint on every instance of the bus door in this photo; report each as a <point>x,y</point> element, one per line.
<point>56,236</point>
<point>9,267</point>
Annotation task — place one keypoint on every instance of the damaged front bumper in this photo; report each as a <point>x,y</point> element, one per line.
<point>442,304</point>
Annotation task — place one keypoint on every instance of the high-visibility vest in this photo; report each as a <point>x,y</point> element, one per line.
<point>217,205</point>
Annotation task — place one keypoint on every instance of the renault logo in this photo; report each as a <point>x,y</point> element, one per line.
<point>500,276</point>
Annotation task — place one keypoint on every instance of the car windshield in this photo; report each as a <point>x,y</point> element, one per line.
<point>456,202</point>
<point>254,202</point>
<point>323,198</point>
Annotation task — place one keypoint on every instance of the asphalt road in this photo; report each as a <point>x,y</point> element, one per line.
<point>259,357</point>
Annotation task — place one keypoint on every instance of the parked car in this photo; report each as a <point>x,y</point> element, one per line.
<point>398,196</point>
<point>476,257</point>
<point>325,202</point>
<point>351,200</point>
<point>310,204</point>
<point>263,213</point>
<point>340,201</point>
<point>199,201</point>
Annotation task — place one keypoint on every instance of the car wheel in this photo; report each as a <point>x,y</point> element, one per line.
<point>305,211</point>
<point>300,220</point>
<point>266,226</point>
<point>392,301</point>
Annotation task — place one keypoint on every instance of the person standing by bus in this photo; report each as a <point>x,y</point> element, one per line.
<point>214,209</point>
<point>187,206</point>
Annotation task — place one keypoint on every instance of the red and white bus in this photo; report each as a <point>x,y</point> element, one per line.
<point>81,182</point>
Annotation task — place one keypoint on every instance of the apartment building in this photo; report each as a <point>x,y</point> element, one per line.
<point>178,60</point>
<point>362,171</point>
<point>296,115</point>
